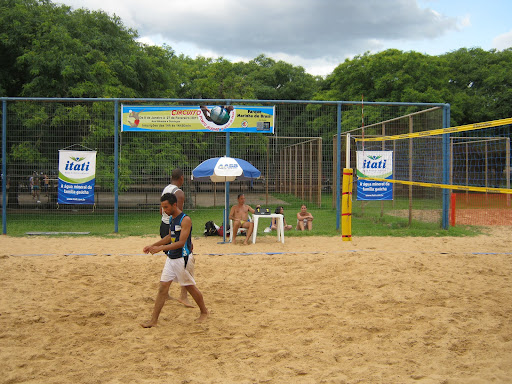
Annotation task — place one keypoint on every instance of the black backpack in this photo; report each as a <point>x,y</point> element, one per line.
<point>210,229</point>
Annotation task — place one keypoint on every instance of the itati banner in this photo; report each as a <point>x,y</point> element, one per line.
<point>77,176</point>
<point>378,164</point>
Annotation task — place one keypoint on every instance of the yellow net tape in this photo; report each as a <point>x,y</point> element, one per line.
<point>444,186</point>
<point>441,131</point>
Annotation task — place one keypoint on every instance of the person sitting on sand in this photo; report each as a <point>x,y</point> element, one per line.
<point>240,215</point>
<point>304,219</point>
<point>273,224</point>
<point>179,264</point>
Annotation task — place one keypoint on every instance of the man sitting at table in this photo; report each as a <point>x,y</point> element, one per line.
<point>240,215</point>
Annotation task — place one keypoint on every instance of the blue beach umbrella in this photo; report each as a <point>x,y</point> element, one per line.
<point>224,169</point>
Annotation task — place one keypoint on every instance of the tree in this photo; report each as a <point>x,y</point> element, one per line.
<point>475,82</point>
<point>273,80</point>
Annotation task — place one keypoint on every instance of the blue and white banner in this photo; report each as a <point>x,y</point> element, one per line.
<point>378,164</point>
<point>77,176</point>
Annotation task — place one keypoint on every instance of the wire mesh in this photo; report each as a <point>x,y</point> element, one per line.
<point>36,131</point>
<point>298,162</point>
<point>412,161</point>
<point>477,158</point>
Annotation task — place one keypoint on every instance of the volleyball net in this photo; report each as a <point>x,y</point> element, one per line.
<point>471,161</point>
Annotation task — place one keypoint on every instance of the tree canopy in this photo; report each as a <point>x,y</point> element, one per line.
<point>50,50</point>
<point>475,82</point>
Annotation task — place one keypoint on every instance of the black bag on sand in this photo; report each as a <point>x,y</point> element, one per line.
<point>210,229</point>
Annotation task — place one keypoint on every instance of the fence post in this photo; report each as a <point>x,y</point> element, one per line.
<point>319,165</point>
<point>446,167</point>
<point>302,162</point>
<point>4,167</point>
<point>310,171</point>
<point>453,200</point>
<point>268,172</point>
<point>338,166</point>
<point>116,166</point>
<point>507,168</point>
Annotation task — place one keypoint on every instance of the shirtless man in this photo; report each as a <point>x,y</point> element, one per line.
<point>240,215</point>
<point>304,219</point>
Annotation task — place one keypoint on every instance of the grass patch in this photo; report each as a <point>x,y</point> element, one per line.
<point>366,221</point>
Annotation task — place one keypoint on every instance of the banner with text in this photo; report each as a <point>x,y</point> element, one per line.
<point>378,164</point>
<point>77,176</point>
<point>211,118</point>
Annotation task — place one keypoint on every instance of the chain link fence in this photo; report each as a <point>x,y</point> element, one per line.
<point>298,162</point>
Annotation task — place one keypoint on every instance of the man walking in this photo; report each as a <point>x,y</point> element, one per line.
<point>179,264</point>
<point>177,180</point>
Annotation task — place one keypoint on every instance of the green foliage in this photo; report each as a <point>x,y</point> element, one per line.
<point>48,50</point>
<point>51,51</point>
<point>475,82</point>
<point>273,80</point>
<point>25,151</point>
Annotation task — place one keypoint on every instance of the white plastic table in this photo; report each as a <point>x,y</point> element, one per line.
<point>280,226</point>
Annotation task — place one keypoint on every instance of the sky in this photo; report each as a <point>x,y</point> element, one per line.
<point>315,34</point>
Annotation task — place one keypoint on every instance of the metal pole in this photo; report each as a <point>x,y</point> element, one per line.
<point>319,166</point>
<point>446,167</point>
<point>296,175</point>
<point>338,166</point>
<point>507,168</point>
<point>334,167</point>
<point>302,163</point>
<point>4,167</point>
<point>383,148</point>
<point>116,166</point>
<point>347,152</point>
<point>226,194</point>
<point>268,172</point>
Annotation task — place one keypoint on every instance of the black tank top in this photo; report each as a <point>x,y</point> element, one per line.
<point>175,231</point>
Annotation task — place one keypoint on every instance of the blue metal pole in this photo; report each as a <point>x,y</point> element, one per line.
<point>116,166</point>
<point>4,167</point>
<point>338,170</point>
<point>226,194</point>
<point>446,167</point>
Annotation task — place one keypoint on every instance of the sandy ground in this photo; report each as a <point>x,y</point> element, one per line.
<point>312,310</point>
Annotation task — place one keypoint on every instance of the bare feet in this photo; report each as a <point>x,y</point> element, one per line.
<point>185,302</point>
<point>203,316</point>
<point>148,324</point>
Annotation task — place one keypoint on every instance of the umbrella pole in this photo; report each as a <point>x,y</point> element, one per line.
<point>225,213</point>
<point>225,210</point>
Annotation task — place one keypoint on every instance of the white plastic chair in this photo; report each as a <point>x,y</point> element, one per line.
<point>241,231</point>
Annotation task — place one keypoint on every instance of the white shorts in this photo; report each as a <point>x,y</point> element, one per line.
<point>174,270</point>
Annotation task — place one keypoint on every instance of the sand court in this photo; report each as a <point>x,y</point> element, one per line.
<point>312,310</point>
